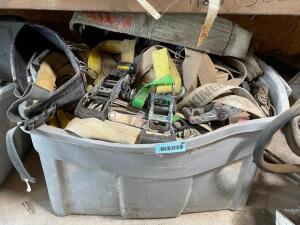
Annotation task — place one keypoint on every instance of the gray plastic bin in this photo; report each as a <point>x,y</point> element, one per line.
<point>86,176</point>
<point>23,142</point>
<point>6,99</point>
<point>9,26</point>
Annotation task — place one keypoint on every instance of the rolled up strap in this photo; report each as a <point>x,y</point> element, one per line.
<point>265,138</point>
<point>14,157</point>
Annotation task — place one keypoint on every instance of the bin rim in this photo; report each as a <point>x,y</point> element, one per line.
<point>196,142</point>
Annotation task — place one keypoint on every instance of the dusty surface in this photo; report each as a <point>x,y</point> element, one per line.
<point>269,191</point>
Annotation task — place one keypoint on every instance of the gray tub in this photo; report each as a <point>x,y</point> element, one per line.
<point>22,142</point>
<point>9,26</point>
<point>86,176</point>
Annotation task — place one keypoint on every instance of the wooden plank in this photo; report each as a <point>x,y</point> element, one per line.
<point>282,7</point>
<point>269,32</point>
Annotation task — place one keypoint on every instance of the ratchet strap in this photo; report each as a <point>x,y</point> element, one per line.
<point>241,103</point>
<point>141,97</point>
<point>167,78</point>
<point>122,112</point>
<point>134,120</point>
<point>163,65</point>
<point>117,83</point>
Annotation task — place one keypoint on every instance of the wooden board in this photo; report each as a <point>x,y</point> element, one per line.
<point>291,7</point>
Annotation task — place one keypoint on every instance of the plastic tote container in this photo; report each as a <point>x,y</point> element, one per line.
<point>22,140</point>
<point>6,99</point>
<point>215,172</point>
<point>9,26</point>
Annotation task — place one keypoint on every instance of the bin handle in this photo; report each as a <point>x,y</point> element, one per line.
<point>266,136</point>
<point>15,158</point>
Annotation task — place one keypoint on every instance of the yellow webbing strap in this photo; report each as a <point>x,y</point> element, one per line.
<point>60,119</point>
<point>167,78</point>
<point>125,48</point>
<point>163,65</point>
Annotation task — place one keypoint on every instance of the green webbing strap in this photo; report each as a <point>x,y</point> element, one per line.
<point>176,118</point>
<point>140,98</point>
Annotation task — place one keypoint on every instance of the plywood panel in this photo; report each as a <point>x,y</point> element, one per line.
<point>269,32</point>
<point>228,6</point>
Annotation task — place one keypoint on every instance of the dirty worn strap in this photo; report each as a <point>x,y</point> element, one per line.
<point>141,97</point>
<point>213,9</point>
<point>241,103</point>
<point>225,38</point>
<point>32,92</point>
<point>253,68</point>
<point>237,64</point>
<point>15,159</point>
<point>150,9</point>
<point>198,65</point>
<point>207,93</point>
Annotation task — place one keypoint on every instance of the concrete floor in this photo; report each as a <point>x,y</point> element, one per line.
<point>269,191</point>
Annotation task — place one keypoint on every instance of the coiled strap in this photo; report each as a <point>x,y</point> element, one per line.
<point>266,136</point>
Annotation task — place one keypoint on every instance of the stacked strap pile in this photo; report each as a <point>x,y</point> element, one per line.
<point>137,86</point>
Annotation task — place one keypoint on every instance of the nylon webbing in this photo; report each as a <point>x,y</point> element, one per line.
<point>142,95</point>
<point>125,48</point>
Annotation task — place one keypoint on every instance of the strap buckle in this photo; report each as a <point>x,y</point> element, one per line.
<point>98,102</point>
<point>211,112</point>
<point>159,127</point>
<point>38,120</point>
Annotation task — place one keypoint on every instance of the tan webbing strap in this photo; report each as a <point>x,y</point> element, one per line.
<point>206,93</point>
<point>207,72</point>
<point>103,130</point>
<point>126,48</point>
<point>240,66</point>
<point>50,70</point>
<point>190,67</point>
<point>213,9</point>
<point>241,103</point>
<point>150,9</point>
<point>197,65</point>
<point>252,66</point>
